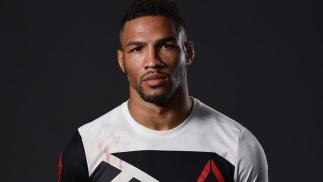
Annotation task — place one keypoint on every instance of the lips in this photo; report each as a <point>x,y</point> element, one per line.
<point>154,79</point>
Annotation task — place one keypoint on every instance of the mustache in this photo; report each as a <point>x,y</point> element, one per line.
<point>154,74</point>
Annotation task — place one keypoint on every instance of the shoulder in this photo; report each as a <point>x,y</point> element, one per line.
<point>244,150</point>
<point>251,163</point>
<point>221,134</point>
<point>103,122</point>
<point>210,116</point>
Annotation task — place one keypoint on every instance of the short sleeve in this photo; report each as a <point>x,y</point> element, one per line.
<point>251,162</point>
<point>72,165</point>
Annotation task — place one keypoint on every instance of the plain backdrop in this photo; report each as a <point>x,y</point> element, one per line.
<point>259,62</point>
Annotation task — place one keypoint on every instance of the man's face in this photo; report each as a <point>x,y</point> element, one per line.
<point>153,58</point>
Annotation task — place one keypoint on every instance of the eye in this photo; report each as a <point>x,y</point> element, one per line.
<point>168,45</point>
<point>136,49</point>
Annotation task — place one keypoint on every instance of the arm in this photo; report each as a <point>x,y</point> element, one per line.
<point>72,165</point>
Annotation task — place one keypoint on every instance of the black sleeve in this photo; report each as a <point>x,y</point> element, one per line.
<point>72,166</point>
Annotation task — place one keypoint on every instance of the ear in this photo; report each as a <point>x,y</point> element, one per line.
<point>190,52</point>
<point>120,60</point>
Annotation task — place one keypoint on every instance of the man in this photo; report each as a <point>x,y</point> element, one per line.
<point>160,133</point>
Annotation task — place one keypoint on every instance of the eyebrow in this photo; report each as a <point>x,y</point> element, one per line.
<point>171,40</point>
<point>134,43</point>
<point>140,43</point>
<point>167,39</point>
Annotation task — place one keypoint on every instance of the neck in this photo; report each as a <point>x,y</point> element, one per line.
<point>161,117</point>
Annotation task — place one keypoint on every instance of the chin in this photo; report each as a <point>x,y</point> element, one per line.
<point>159,95</point>
<point>159,99</point>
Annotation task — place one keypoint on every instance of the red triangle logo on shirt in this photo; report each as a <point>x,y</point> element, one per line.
<point>210,165</point>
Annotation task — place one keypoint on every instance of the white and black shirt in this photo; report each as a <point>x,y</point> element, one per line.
<point>207,146</point>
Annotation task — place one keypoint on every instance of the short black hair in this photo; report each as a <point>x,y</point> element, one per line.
<point>140,8</point>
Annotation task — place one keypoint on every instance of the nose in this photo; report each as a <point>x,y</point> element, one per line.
<point>152,59</point>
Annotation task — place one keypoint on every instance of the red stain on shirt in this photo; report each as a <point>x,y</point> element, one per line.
<point>60,167</point>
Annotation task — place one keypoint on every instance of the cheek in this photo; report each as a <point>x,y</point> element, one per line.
<point>174,59</point>
<point>178,63</point>
<point>132,69</point>
<point>180,72</point>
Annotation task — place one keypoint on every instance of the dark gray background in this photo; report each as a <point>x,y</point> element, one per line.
<point>258,62</point>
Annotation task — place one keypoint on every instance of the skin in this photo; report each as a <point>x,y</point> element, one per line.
<point>154,56</point>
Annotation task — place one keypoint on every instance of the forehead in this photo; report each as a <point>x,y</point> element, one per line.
<point>148,28</point>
